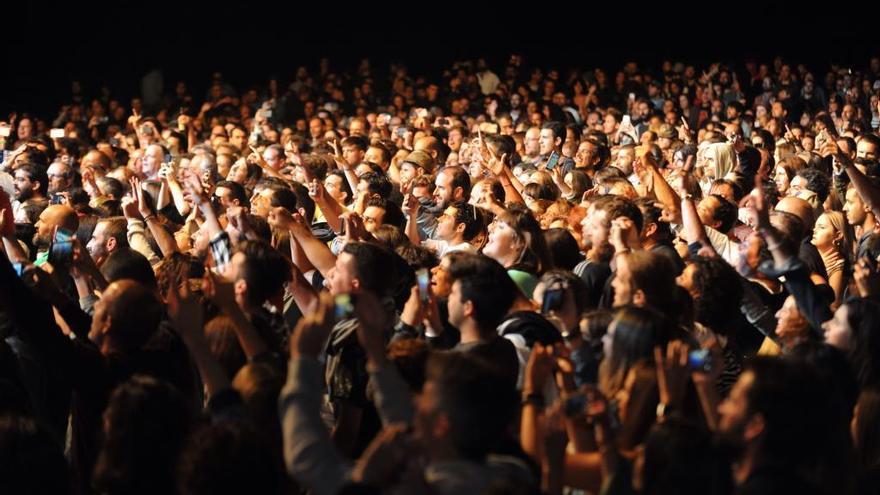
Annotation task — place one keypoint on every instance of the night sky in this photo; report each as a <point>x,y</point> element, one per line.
<point>116,44</point>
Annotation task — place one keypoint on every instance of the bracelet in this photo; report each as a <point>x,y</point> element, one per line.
<point>149,217</point>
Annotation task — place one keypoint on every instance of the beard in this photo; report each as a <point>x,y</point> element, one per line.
<point>42,241</point>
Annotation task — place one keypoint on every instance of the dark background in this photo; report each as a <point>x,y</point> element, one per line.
<point>115,44</point>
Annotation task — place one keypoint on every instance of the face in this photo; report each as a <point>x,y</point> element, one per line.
<point>547,142</point>
<point>97,245</point>
<point>446,224</point>
<point>864,149</point>
<point>443,193</point>
<point>151,161</point>
<point>532,142</point>
<point>58,177</point>
<point>373,155</point>
<point>352,155</point>
<point>595,227</point>
<point>458,310</point>
<point>781,180</point>
<point>333,186</point>
<point>45,227</point>
<point>706,211</point>
<point>373,218</point>
<point>408,172</point>
<point>238,138</point>
<point>503,242</point>
<point>225,198</point>
<point>441,285</point>
<point>238,172</point>
<point>837,330</point>
<point>342,277</point>
<point>797,186</point>
<point>274,158</point>
<point>625,159</point>
<point>622,283</point>
<point>24,186</point>
<point>790,323</point>
<point>854,208</point>
<point>824,234</point>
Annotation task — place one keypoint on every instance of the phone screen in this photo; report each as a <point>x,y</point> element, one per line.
<point>552,160</point>
<point>61,250</point>
<point>423,277</point>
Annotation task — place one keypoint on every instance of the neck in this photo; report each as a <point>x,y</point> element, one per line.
<point>868,225</point>
<point>743,469</point>
<point>470,332</point>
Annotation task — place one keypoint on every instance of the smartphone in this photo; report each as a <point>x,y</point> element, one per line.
<point>19,268</point>
<point>553,299</point>
<point>401,132</point>
<point>5,131</point>
<point>423,278</point>
<point>267,114</point>
<point>552,161</point>
<point>61,250</point>
<point>56,133</point>
<point>146,130</point>
<point>700,360</point>
<point>626,120</point>
<point>343,307</point>
<point>444,121</point>
<point>56,199</point>
<point>575,404</point>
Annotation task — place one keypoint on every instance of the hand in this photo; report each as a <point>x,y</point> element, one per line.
<point>624,234</point>
<point>218,290</point>
<point>130,208</point>
<point>381,463</point>
<point>410,206</point>
<point>866,277</point>
<point>311,332</point>
<point>7,221</point>
<point>236,215</point>
<point>134,119</point>
<point>281,219</point>
<point>137,193</point>
<point>761,205</point>
<point>591,193</point>
<point>539,368</point>
<point>672,372</point>
<point>185,309</point>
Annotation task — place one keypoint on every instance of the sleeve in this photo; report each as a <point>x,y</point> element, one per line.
<point>809,300</point>
<point>137,239</point>
<point>309,454</point>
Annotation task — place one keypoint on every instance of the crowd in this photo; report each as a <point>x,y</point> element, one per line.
<point>656,281</point>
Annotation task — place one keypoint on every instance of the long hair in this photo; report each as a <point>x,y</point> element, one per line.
<point>534,257</point>
<point>636,332</point>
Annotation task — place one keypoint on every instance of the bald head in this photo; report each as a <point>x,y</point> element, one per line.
<point>54,217</point>
<point>799,208</point>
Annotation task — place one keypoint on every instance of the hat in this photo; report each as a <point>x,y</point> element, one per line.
<point>525,281</point>
<point>667,131</point>
<point>421,159</point>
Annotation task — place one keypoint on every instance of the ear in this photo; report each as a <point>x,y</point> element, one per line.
<point>111,244</point>
<point>302,212</point>
<point>650,229</point>
<point>240,287</point>
<point>468,309</point>
<point>356,284</point>
<point>638,298</point>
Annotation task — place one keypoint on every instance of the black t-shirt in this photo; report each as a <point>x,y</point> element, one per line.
<point>498,351</point>
<point>811,257</point>
<point>595,275</point>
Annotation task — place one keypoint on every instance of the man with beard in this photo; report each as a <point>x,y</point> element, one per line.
<point>781,437</point>
<point>30,188</point>
<point>452,184</point>
<point>110,234</point>
<point>54,217</point>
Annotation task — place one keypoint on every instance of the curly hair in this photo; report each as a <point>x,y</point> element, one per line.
<point>718,292</point>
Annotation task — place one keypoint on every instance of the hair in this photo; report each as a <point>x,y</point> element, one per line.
<point>636,332</point>
<point>374,266</point>
<point>359,142</point>
<point>265,270</point>
<point>117,228</point>
<point>558,129</point>
<point>223,342</point>
<point>393,215</point>
<point>681,458</point>
<point>146,423</point>
<point>477,398</point>
<point>470,216</point>
<point>460,178</point>
<point>126,263</point>
<point>817,181</point>
<point>535,257</point>
<point>654,275</point>
<point>726,213</point>
<point>568,280</point>
<point>485,283</point>
<point>410,357</point>
<point>111,186</point>
<point>228,457</point>
<point>652,213</point>
<point>565,249</point>
<point>616,207</point>
<point>720,292</point>
<point>377,184</point>
<point>237,190</point>
<point>35,173</point>
<point>866,434</point>
<point>345,187</point>
<point>580,183</point>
